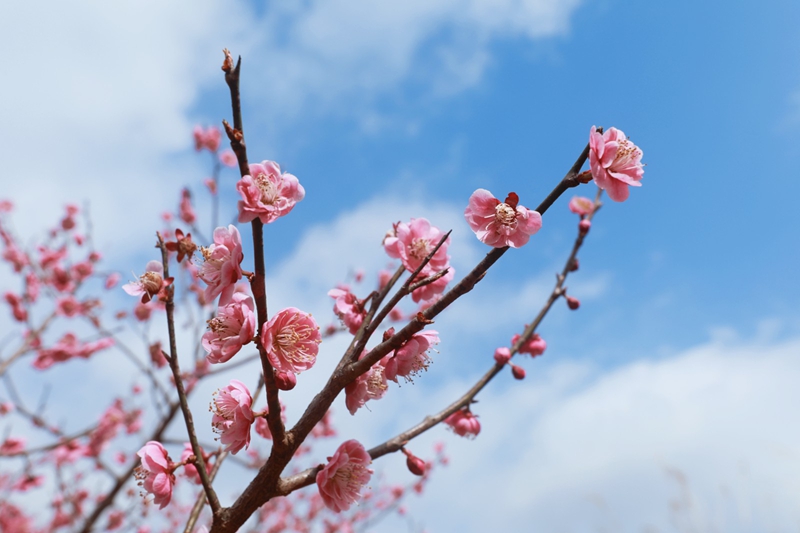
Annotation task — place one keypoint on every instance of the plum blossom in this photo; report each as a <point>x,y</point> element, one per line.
<point>233,327</point>
<point>267,194</point>
<point>501,224</point>
<point>222,266</point>
<point>17,309</point>
<point>112,280</point>
<point>208,138</point>
<point>183,245</point>
<point>616,162</point>
<point>463,423</point>
<point>291,339</point>
<point>12,446</point>
<point>431,290</point>
<point>155,474</point>
<point>68,347</point>
<point>186,211</point>
<point>411,243</point>
<point>412,357</point>
<point>150,284</point>
<point>371,385</point>
<point>348,308</point>
<point>341,479</point>
<point>228,158</point>
<point>534,346</point>
<point>581,205</point>
<point>189,469</point>
<point>233,415</point>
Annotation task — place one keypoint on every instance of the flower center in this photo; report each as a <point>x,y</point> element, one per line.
<point>626,152</point>
<point>269,190</point>
<point>419,249</point>
<point>349,477</point>
<point>218,325</point>
<point>151,282</point>
<point>505,214</point>
<point>291,342</point>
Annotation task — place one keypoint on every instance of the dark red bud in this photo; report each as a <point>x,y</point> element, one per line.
<point>584,226</point>
<point>573,303</point>
<point>512,199</point>
<point>285,380</point>
<point>415,465</point>
<point>573,266</point>
<point>518,372</point>
<point>388,334</point>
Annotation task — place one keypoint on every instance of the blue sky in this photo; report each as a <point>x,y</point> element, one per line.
<point>396,111</point>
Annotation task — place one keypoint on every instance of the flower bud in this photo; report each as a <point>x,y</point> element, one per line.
<point>518,372</point>
<point>573,303</point>
<point>573,266</point>
<point>286,380</point>
<point>584,225</point>
<point>415,465</point>
<point>502,355</point>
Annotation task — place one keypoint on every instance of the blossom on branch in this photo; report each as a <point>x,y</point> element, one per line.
<point>267,194</point>
<point>411,243</point>
<point>233,415</point>
<point>412,357</point>
<point>340,481</point>
<point>155,473</point>
<point>534,346</point>
<point>348,308</point>
<point>291,339</point>
<point>580,205</point>
<point>208,138</point>
<point>233,327</point>
<point>222,266</point>
<point>616,162</point>
<point>371,385</point>
<point>463,423</point>
<point>501,224</point>
<point>150,284</point>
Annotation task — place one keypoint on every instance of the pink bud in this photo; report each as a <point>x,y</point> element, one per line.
<point>584,225</point>
<point>518,372</point>
<point>415,465</point>
<point>573,303</point>
<point>286,380</point>
<point>502,355</point>
<point>573,266</point>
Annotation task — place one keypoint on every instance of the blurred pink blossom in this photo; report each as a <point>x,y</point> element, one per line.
<point>208,138</point>
<point>186,211</point>
<point>155,473</point>
<point>580,205</point>
<point>534,346</point>
<point>233,415</point>
<point>228,158</point>
<point>463,423</point>
<point>499,223</point>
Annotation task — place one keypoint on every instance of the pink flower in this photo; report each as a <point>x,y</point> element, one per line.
<point>12,446</point>
<point>616,162</point>
<point>499,223</point>
<point>340,481</point>
<point>348,308</point>
<point>17,309</point>
<point>370,385</point>
<point>68,306</point>
<point>68,347</point>
<point>233,327</point>
<point>228,158</point>
<point>431,290</point>
<point>412,242</point>
<point>208,138</point>
<point>463,423</point>
<point>222,267</point>
<point>32,286</point>
<point>150,284</point>
<point>189,469</point>
<point>535,345</point>
<point>155,473</point>
<point>412,357</point>
<point>16,257</point>
<point>112,280</point>
<point>291,339</point>
<point>580,205</point>
<point>186,210</point>
<point>267,194</point>
<point>233,415</point>
<point>28,482</point>
<point>502,355</point>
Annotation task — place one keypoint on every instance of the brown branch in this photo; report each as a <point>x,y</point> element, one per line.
<point>176,372</point>
<point>201,498</point>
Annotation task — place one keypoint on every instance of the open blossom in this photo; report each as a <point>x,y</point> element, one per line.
<point>291,339</point>
<point>348,308</point>
<point>233,415</point>
<point>616,162</point>
<point>411,243</point>
<point>267,194</point>
<point>207,138</point>
<point>412,357</point>
<point>463,423</point>
<point>150,284</point>
<point>370,385</point>
<point>155,473</point>
<point>233,327</point>
<point>580,205</point>
<point>499,223</point>
<point>535,345</point>
<point>340,481</point>
<point>222,266</point>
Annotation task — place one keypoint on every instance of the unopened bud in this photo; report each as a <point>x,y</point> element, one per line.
<point>388,334</point>
<point>518,372</point>
<point>584,225</point>
<point>285,380</point>
<point>502,355</point>
<point>573,266</point>
<point>415,465</point>
<point>573,303</point>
